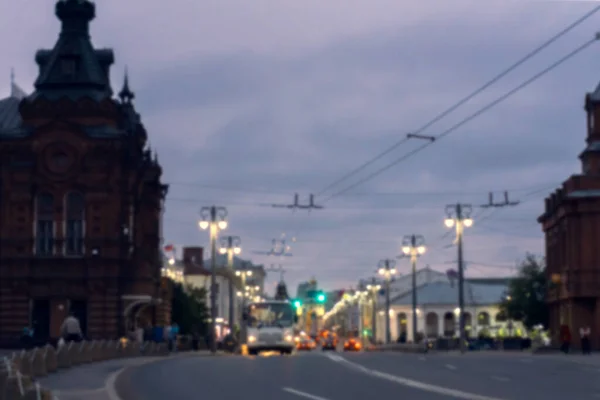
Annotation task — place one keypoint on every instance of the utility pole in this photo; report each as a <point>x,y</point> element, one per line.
<point>374,289</point>
<point>213,218</point>
<point>230,245</point>
<point>458,216</point>
<point>387,270</point>
<point>414,246</point>
<point>505,203</point>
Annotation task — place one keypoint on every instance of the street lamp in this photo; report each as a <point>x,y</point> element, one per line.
<point>243,275</point>
<point>214,218</point>
<point>414,246</point>
<point>458,216</point>
<point>387,270</point>
<point>374,289</point>
<point>230,245</point>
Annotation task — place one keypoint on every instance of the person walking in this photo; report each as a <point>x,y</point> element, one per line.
<point>585,333</point>
<point>565,338</point>
<point>71,329</point>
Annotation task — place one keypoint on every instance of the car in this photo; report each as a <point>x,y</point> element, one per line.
<point>305,345</point>
<point>329,344</point>
<point>352,345</point>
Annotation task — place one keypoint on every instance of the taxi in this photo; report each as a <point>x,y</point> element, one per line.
<point>305,344</point>
<point>352,345</point>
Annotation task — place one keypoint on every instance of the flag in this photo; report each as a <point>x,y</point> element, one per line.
<point>169,248</point>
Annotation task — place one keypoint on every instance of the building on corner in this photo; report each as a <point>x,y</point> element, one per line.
<point>571,224</point>
<point>81,197</point>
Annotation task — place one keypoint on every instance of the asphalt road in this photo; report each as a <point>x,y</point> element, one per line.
<point>343,376</point>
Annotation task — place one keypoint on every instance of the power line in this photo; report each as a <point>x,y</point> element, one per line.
<point>382,194</point>
<point>464,100</point>
<point>469,118</point>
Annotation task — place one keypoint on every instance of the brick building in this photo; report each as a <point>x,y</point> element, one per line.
<point>81,197</point>
<point>571,224</point>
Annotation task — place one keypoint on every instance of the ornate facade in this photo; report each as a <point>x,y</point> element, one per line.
<point>571,224</point>
<point>81,197</point>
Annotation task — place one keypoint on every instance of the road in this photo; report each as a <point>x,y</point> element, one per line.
<point>342,376</point>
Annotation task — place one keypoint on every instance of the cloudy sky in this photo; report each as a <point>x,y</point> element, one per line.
<point>249,102</point>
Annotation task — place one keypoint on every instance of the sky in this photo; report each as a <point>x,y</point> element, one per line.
<point>248,103</point>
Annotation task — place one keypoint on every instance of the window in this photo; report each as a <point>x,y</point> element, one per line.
<point>44,229</point>
<point>74,232</point>
<point>592,120</point>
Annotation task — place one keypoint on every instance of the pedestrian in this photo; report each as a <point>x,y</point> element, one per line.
<point>585,333</point>
<point>71,329</point>
<point>565,338</point>
<point>174,336</point>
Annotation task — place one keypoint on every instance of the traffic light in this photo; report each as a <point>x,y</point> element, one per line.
<point>321,297</point>
<point>297,303</point>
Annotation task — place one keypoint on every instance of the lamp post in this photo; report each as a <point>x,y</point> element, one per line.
<point>213,218</point>
<point>230,245</point>
<point>243,275</point>
<point>458,216</point>
<point>374,289</point>
<point>414,246</point>
<point>387,270</point>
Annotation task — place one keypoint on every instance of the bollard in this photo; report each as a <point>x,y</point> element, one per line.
<point>62,357</point>
<point>83,353</point>
<point>50,359</point>
<point>24,365</point>
<point>37,365</point>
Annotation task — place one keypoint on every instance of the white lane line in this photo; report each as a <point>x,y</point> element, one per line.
<point>110,386</point>
<point>422,358</point>
<point>303,394</point>
<point>526,360</point>
<point>459,394</point>
<point>450,366</point>
<point>500,378</point>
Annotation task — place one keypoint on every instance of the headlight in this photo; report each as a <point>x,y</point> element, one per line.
<point>289,338</point>
<point>251,339</point>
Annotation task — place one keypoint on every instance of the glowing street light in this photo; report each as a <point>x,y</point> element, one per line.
<point>213,218</point>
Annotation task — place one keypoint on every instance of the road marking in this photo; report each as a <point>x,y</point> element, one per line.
<point>422,358</point>
<point>303,394</point>
<point>526,360</point>
<point>459,394</point>
<point>500,378</point>
<point>450,366</point>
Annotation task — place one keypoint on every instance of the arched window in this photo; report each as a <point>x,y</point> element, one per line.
<point>75,215</point>
<point>44,228</point>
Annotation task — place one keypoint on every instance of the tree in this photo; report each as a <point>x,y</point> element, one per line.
<point>189,309</point>
<point>525,298</point>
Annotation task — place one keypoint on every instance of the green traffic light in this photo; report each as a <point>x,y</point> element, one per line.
<point>297,303</point>
<point>321,298</point>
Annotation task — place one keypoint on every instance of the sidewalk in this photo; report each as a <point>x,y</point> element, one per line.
<point>578,358</point>
<point>96,381</point>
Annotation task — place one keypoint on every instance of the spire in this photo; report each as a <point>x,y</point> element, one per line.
<point>126,94</point>
<point>73,68</point>
<point>15,91</point>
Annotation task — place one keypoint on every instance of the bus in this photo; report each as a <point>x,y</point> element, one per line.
<point>270,327</point>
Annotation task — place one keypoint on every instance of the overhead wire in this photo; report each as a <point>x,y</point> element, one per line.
<point>466,99</point>
<point>466,120</point>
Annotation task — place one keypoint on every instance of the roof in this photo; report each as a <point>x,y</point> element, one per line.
<point>10,118</point>
<point>445,293</point>
<point>73,68</point>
